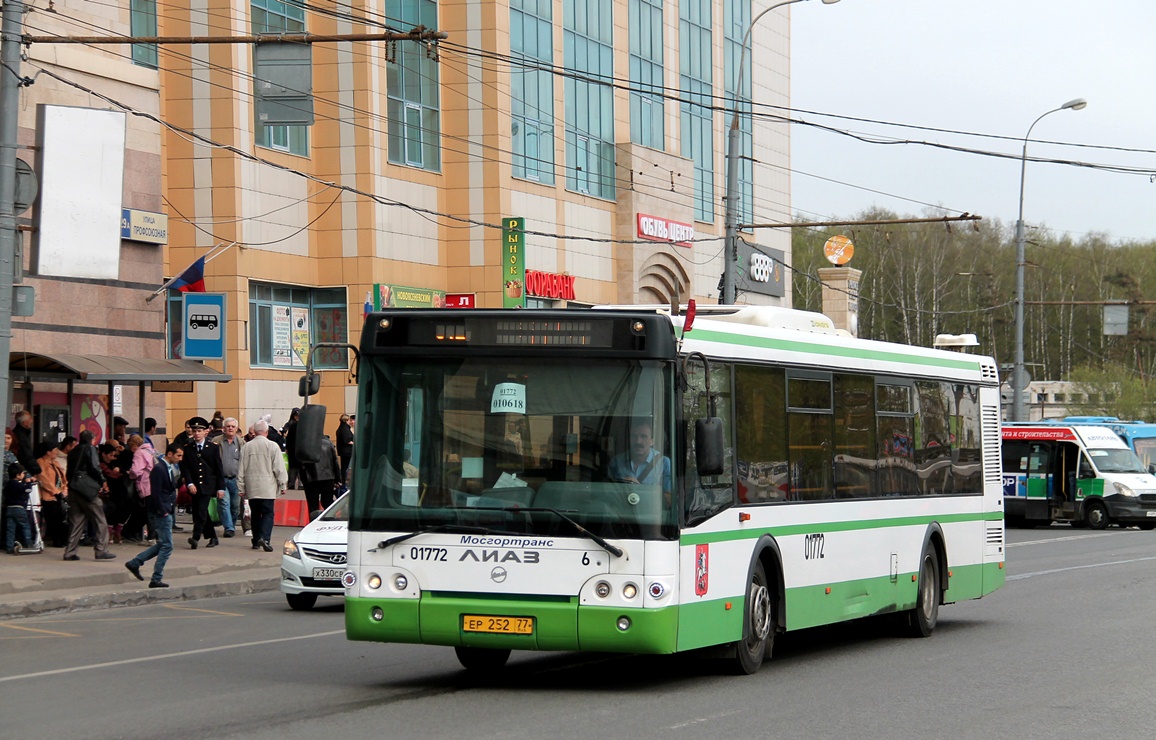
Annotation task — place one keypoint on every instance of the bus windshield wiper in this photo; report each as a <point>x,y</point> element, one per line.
<point>442,528</point>
<point>615,551</point>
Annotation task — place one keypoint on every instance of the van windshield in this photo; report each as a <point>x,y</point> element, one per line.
<point>1117,461</point>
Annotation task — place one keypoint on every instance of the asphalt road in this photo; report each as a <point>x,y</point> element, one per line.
<point>1063,651</point>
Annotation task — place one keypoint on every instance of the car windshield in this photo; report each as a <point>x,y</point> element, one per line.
<point>339,511</point>
<point>1116,461</point>
<point>516,445</point>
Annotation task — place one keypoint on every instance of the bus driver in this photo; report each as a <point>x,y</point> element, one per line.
<point>642,464</point>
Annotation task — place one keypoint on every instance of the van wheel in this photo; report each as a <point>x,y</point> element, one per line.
<point>481,659</point>
<point>922,619</point>
<point>759,627</point>
<point>301,602</point>
<point>1095,515</point>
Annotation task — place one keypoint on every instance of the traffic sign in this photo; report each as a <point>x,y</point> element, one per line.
<point>204,326</point>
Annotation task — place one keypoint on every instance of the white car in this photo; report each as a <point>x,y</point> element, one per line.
<point>313,560</point>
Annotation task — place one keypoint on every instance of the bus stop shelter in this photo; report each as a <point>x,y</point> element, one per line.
<point>28,368</point>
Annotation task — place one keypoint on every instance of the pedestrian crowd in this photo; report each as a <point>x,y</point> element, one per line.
<point>127,491</point>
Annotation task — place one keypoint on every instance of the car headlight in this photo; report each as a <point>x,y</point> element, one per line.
<point>290,549</point>
<point>1124,490</point>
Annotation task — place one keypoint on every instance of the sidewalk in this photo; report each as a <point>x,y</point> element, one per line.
<point>44,583</point>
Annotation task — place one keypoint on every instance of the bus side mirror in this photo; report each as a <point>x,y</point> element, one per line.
<point>708,445</point>
<point>310,429</point>
<point>308,385</point>
<point>1151,468</point>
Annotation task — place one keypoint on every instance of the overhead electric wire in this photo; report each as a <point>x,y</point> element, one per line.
<point>512,62</point>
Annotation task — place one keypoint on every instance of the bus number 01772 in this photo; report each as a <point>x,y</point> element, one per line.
<point>813,546</point>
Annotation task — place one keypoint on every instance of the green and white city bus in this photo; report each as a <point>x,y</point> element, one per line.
<point>798,477</point>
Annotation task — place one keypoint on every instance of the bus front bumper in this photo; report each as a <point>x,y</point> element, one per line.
<point>556,625</point>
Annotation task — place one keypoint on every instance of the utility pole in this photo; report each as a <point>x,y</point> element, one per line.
<point>11,27</point>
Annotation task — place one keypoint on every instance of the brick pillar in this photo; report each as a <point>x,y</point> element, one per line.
<point>841,296</point>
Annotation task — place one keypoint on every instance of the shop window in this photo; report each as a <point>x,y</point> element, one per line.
<point>286,321</point>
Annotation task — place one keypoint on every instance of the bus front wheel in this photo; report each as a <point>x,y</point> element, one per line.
<point>922,619</point>
<point>1095,515</point>
<point>481,659</point>
<point>759,632</point>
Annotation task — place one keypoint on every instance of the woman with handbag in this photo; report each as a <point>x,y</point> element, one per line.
<point>140,464</point>
<point>53,488</point>
<point>84,486</point>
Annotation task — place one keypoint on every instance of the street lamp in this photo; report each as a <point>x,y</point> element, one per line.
<point>1018,369</point>
<point>731,255</point>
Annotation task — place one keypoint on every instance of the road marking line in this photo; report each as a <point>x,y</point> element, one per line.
<point>180,654</point>
<point>1020,576</point>
<point>82,617</point>
<point>1063,539</point>
<point>700,720</point>
<point>33,629</point>
<point>205,611</point>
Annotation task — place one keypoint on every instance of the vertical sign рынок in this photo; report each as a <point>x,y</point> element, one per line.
<point>204,326</point>
<point>513,262</point>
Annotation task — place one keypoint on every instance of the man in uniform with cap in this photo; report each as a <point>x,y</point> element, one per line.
<point>201,469</point>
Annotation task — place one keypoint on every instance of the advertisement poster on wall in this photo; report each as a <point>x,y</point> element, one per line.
<point>89,412</point>
<point>401,296</point>
<point>513,262</point>
<point>282,337</point>
<point>300,319</point>
<point>329,326</point>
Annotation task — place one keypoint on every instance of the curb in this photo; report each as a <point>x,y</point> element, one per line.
<point>31,585</point>
<point>60,603</point>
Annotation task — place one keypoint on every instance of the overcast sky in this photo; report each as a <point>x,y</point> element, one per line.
<point>986,67</point>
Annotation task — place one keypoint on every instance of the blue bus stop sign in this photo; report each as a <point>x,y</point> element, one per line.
<point>204,316</point>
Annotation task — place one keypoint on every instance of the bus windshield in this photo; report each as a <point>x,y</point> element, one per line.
<point>1145,449</point>
<point>526,446</point>
<point>1116,461</point>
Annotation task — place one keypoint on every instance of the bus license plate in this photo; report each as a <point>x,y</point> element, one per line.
<point>328,574</point>
<point>497,625</point>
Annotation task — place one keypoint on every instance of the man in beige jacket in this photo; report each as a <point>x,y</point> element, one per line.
<point>261,477</point>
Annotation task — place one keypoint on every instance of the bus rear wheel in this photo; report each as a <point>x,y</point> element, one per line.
<point>1096,515</point>
<point>922,619</point>
<point>759,627</point>
<point>481,659</point>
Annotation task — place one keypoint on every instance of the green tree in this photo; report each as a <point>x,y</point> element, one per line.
<point>920,280</point>
<point>1113,391</point>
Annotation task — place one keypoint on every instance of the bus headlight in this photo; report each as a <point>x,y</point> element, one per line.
<point>602,589</point>
<point>374,581</point>
<point>400,582</point>
<point>1124,490</point>
<point>629,591</point>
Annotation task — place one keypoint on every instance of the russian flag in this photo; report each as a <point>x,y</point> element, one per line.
<point>192,280</point>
